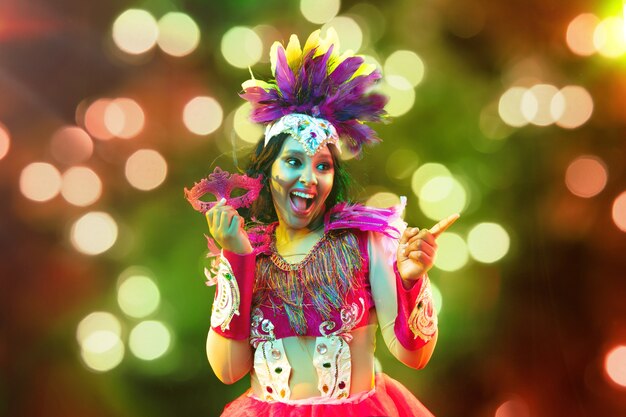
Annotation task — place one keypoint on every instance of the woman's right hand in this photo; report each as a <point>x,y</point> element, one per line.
<point>226,227</point>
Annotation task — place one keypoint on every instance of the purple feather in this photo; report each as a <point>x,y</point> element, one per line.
<point>344,70</point>
<point>284,76</point>
<point>345,215</point>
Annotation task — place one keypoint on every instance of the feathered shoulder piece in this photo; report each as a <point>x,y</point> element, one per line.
<point>387,221</point>
<point>317,81</point>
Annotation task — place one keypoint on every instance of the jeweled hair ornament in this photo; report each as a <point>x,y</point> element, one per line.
<point>314,86</point>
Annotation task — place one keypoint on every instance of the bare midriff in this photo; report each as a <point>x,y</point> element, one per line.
<point>303,380</point>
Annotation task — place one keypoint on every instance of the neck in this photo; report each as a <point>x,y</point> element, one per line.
<point>285,233</point>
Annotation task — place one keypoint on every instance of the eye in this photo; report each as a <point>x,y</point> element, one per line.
<point>294,162</point>
<point>324,166</point>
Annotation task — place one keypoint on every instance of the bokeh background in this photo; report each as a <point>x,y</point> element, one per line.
<point>509,112</point>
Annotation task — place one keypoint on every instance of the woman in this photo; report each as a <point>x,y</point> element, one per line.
<point>301,294</point>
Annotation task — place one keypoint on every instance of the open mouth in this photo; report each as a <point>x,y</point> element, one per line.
<point>301,201</point>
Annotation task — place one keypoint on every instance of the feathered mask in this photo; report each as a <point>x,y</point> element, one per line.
<point>316,84</point>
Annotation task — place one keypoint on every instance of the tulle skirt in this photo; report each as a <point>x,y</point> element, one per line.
<point>389,398</point>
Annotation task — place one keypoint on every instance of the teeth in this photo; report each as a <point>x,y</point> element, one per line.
<point>302,195</point>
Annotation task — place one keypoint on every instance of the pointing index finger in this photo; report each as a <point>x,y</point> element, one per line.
<point>441,227</point>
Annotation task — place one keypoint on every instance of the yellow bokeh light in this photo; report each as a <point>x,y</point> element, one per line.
<point>615,365</point>
<point>402,163</point>
<point>580,33</point>
<point>537,102</point>
<point>71,145</point>
<point>179,35</point>
<point>149,340</point>
<point>248,131</point>
<point>81,186</point>
<point>348,31</point>
<point>406,64</point>
<point>98,335</point>
<point>319,11</point>
<point>124,118</point>
<point>98,321</point>
<point>138,296</point>
<point>618,211</point>
<point>94,119</point>
<point>608,37</point>
<point>40,181</point>
<point>425,173</point>
<point>488,242</point>
<point>94,233</point>
<point>442,196</point>
<point>586,176</point>
<point>510,107</point>
<point>401,100</point>
<point>452,253</point>
<point>383,199</point>
<point>5,141</point>
<point>571,107</point>
<point>241,47</point>
<point>135,31</point>
<point>102,351</point>
<point>146,169</point>
<point>203,115</point>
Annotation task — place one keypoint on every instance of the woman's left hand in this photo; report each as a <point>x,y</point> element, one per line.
<point>417,249</point>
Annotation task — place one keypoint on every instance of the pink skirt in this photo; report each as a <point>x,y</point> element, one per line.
<point>389,398</point>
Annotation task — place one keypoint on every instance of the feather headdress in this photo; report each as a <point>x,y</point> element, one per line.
<point>316,81</point>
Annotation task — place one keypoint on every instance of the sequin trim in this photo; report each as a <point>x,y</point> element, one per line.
<point>227,297</point>
<point>423,318</point>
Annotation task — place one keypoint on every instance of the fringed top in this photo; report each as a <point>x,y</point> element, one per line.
<point>329,289</point>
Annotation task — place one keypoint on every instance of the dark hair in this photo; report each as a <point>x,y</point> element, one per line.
<point>261,162</point>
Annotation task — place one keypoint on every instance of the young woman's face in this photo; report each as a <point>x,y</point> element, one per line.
<point>300,184</point>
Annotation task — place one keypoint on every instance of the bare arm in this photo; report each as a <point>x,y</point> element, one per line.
<point>230,359</point>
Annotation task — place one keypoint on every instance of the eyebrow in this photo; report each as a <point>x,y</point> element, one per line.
<point>293,152</point>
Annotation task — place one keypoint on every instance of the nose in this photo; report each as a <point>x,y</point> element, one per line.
<point>307,176</point>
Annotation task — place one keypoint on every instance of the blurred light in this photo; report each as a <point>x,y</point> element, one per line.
<point>81,186</point>
<point>615,365</point>
<point>146,169</point>
<point>492,126</point>
<point>149,340</point>
<point>580,34</point>
<point>401,163</point>
<point>348,32</point>
<point>425,173</point>
<point>510,107</point>
<point>179,35</point>
<point>536,104</point>
<point>98,335</point>
<point>71,145</point>
<point>94,233</point>
<point>248,131</point>
<point>608,37</point>
<point>383,199</point>
<point>319,11</point>
<point>138,296</point>
<point>102,351</point>
<point>406,64</point>
<point>40,181</point>
<point>571,107</point>
<point>241,47</point>
<point>135,31</point>
<point>98,321</point>
<point>586,176</point>
<point>401,100</point>
<point>488,242</point>
<point>452,254</point>
<point>515,407</point>
<point>437,297</point>
<point>268,34</point>
<point>619,211</point>
<point>203,115</point>
<point>5,141</point>
<point>124,118</point>
<point>94,119</point>
<point>441,197</point>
